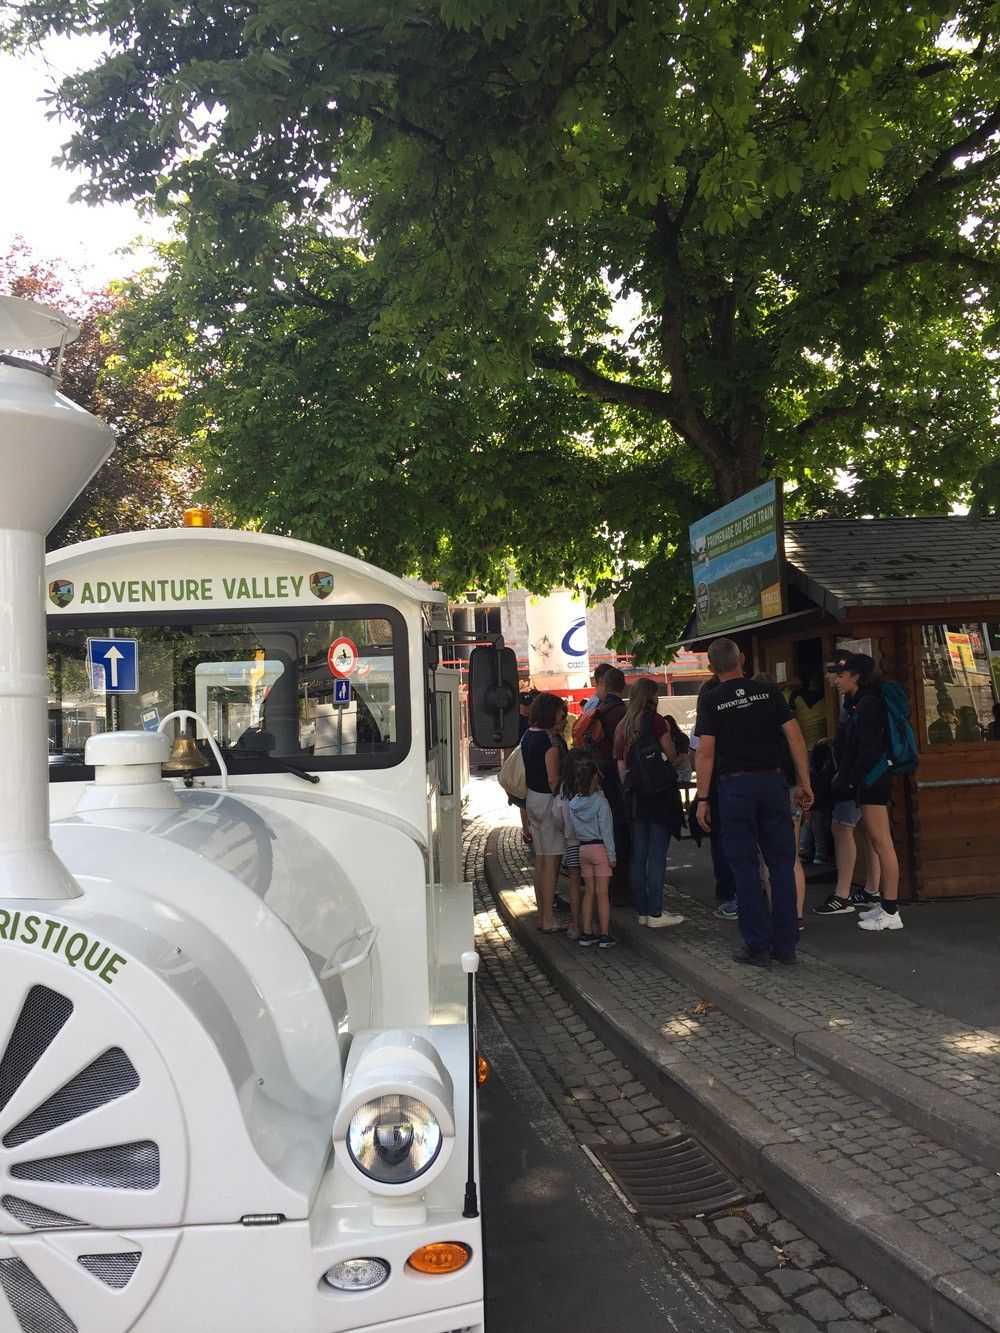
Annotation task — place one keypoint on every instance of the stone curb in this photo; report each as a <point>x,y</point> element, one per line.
<point>943,1116</point>
<point>911,1271</point>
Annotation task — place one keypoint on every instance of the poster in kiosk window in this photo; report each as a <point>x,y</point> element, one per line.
<point>737,555</point>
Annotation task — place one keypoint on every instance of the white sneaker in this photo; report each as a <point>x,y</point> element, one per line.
<point>667,919</point>
<point>870,912</point>
<point>880,919</point>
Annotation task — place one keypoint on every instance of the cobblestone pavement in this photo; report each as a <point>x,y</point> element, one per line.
<point>951,1198</point>
<point>940,1049</point>
<point>759,1266</point>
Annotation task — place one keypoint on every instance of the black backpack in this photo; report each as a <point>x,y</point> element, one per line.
<point>650,771</point>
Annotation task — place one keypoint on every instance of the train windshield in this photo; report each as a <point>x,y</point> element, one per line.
<point>323,691</point>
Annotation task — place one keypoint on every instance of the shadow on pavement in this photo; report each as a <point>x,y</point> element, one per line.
<point>944,958</point>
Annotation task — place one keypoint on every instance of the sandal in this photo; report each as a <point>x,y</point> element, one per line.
<point>552,930</point>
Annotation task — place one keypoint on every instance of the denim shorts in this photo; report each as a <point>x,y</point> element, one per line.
<point>847,812</point>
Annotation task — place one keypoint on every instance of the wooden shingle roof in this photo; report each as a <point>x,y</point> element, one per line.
<point>840,563</point>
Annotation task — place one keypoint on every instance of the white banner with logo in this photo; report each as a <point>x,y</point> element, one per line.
<point>558,654</point>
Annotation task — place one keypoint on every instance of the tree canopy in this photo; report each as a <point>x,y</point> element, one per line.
<point>307,424</point>
<point>792,207</point>
<point>149,479</point>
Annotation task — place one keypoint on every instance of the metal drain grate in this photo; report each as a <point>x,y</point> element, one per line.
<point>672,1178</point>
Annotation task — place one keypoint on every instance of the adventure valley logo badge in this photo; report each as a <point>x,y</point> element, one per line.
<point>61,592</point>
<point>320,583</point>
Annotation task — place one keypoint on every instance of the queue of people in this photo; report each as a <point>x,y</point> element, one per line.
<point>583,807</point>
<point>606,805</point>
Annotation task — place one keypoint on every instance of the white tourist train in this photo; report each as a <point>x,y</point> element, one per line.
<point>237,1061</point>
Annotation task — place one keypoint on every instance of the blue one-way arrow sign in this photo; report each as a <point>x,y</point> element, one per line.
<point>114,665</point>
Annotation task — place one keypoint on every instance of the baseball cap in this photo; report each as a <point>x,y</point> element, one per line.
<point>860,663</point>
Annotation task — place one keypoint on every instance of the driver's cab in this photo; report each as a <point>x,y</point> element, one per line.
<point>301,663</point>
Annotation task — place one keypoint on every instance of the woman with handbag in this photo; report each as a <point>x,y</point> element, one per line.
<point>542,774</point>
<point>654,815</point>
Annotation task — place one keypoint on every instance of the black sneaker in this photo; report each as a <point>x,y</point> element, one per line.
<point>585,940</point>
<point>834,906</point>
<point>751,958</point>
<point>785,958</point>
<point>606,941</point>
<point>862,898</point>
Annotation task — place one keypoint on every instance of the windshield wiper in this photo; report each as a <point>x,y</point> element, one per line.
<point>248,752</point>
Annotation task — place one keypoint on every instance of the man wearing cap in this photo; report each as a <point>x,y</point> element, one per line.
<point>742,724</point>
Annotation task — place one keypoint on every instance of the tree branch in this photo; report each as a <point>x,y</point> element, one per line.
<point>316,300</point>
<point>689,419</point>
<point>972,142</point>
<point>853,280</point>
<point>923,254</point>
<point>984,166</point>
<point>952,62</point>
<point>823,418</point>
<point>656,402</point>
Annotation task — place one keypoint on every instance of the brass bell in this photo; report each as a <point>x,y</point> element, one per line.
<point>185,757</point>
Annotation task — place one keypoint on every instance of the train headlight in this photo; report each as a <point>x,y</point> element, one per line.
<point>394,1139</point>
<point>395,1128</point>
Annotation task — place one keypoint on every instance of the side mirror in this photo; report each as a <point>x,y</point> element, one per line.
<point>493,698</point>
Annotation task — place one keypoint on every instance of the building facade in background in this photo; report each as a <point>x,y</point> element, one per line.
<point>559,639</point>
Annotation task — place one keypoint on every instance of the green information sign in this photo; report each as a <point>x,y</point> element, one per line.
<point>736,561</point>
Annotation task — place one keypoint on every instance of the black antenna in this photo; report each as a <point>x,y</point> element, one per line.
<point>470,965</point>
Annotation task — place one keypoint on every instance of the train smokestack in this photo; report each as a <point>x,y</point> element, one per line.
<point>49,450</point>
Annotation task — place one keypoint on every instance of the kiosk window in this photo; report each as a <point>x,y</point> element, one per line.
<point>264,686</point>
<point>961,682</point>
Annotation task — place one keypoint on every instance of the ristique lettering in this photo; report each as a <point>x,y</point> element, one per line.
<point>75,947</point>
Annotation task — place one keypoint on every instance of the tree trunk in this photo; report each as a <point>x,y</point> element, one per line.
<point>743,469</point>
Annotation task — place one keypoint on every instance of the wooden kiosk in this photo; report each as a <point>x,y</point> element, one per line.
<point>922,596</point>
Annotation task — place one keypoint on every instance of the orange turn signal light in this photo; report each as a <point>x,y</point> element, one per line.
<point>441,1256</point>
<point>198,516</point>
<point>483,1070</point>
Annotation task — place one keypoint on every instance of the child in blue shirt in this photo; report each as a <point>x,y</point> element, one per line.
<point>590,814</point>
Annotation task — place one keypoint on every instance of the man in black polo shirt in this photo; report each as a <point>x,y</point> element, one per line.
<point>741,724</point>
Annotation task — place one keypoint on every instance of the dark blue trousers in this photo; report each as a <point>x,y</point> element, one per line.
<point>725,885</point>
<point>755,813</point>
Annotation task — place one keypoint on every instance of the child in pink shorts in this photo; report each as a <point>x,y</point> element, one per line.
<point>591,818</point>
